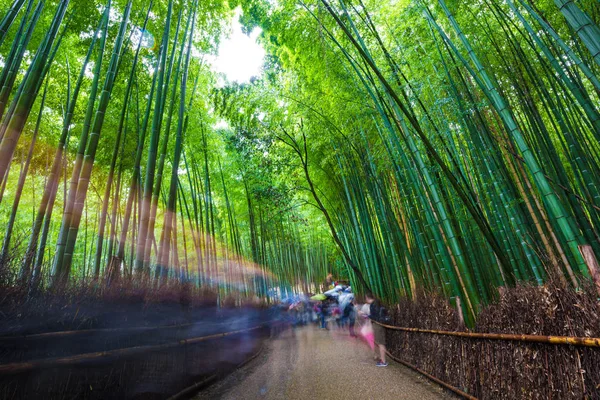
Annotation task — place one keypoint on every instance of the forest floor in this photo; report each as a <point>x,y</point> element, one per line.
<point>308,363</point>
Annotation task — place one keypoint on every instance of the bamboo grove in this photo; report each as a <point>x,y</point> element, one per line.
<point>458,140</point>
<point>406,145</point>
<point>111,168</point>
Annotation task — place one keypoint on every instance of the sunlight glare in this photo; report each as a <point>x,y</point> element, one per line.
<point>240,57</point>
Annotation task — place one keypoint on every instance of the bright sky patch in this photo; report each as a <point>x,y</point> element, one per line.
<point>240,57</point>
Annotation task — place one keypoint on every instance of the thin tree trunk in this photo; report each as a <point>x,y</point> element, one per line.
<point>20,186</point>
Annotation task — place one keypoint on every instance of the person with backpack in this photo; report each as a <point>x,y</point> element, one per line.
<point>350,317</point>
<point>324,313</point>
<point>378,313</point>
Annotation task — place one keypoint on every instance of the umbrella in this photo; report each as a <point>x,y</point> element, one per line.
<point>332,292</point>
<point>318,297</point>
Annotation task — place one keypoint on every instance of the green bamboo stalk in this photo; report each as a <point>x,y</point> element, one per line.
<point>15,56</point>
<point>116,149</point>
<point>51,188</point>
<point>165,139</point>
<point>14,122</point>
<point>145,237</point>
<point>61,271</point>
<point>9,17</point>
<point>68,214</point>
<point>171,211</point>
<point>577,91</point>
<point>20,186</point>
<point>134,188</point>
<point>566,48</point>
<point>584,27</point>
<point>555,207</point>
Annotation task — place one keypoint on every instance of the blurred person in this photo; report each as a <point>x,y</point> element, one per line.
<point>349,316</point>
<point>316,312</point>
<point>329,282</point>
<point>378,313</point>
<point>366,327</point>
<point>323,312</point>
<point>336,315</point>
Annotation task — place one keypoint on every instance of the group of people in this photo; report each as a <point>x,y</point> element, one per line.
<point>337,307</point>
<point>341,307</point>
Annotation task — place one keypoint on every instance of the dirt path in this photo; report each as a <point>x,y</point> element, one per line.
<point>309,363</point>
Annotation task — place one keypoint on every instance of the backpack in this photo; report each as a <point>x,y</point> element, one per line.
<point>348,310</point>
<point>379,313</point>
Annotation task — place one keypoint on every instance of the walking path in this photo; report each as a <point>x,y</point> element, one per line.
<point>308,363</point>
